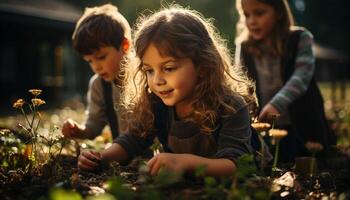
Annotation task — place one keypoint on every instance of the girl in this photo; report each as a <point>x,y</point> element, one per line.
<point>279,57</point>
<point>184,92</point>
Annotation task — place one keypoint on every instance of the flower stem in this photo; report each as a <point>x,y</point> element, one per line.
<point>37,125</point>
<point>312,166</point>
<point>262,150</point>
<point>25,116</point>
<point>276,155</point>
<point>33,118</point>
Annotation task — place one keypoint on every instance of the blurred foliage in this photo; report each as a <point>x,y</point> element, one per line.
<point>11,151</point>
<point>337,112</point>
<point>61,194</point>
<point>325,19</point>
<point>223,11</point>
<point>116,186</point>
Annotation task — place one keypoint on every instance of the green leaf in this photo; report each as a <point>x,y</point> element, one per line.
<point>102,197</point>
<point>151,193</point>
<point>209,182</point>
<point>119,190</point>
<point>61,194</point>
<point>245,166</point>
<point>199,172</point>
<point>166,178</point>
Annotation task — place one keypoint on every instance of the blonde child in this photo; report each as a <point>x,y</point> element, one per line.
<point>279,57</point>
<point>186,93</point>
<point>102,37</point>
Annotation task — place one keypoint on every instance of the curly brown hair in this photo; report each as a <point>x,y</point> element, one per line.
<point>183,33</point>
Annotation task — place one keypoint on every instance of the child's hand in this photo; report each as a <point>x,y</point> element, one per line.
<point>170,161</point>
<point>89,160</point>
<point>71,129</point>
<point>267,111</point>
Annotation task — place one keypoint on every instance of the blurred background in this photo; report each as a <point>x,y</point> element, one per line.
<point>36,49</point>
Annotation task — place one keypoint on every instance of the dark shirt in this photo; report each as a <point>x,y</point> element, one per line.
<point>230,139</point>
<point>306,112</point>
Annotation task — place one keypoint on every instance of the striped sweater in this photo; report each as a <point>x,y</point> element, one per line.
<point>300,79</point>
<point>269,74</point>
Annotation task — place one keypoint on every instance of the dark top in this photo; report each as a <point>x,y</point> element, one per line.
<point>111,114</point>
<point>103,106</point>
<point>307,112</point>
<point>230,139</point>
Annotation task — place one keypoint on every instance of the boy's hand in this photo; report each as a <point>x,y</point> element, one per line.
<point>266,113</point>
<point>89,160</point>
<point>71,129</point>
<point>170,161</point>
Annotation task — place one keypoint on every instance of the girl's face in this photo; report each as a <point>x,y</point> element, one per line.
<point>171,79</point>
<point>105,62</point>
<point>260,18</point>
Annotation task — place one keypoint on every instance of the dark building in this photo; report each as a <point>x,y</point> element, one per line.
<point>36,51</point>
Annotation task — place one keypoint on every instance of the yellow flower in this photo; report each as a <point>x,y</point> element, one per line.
<point>19,103</point>
<point>261,127</point>
<point>277,134</point>
<point>314,146</point>
<point>38,102</point>
<point>35,92</point>
<point>5,131</point>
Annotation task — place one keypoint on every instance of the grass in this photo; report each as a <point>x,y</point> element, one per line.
<point>328,92</point>
<point>337,107</point>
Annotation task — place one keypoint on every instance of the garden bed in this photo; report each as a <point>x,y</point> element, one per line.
<point>129,182</point>
<point>37,163</point>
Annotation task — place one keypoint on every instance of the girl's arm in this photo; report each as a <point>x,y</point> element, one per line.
<point>213,167</point>
<point>233,141</point>
<point>298,83</point>
<point>189,163</point>
<point>114,153</point>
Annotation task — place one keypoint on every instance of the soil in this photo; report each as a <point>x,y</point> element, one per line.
<point>329,182</point>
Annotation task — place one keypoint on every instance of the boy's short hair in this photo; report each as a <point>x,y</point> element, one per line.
<point>100,26</point>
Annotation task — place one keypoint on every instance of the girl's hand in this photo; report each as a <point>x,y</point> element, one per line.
<point>89,160</point>
<point>71,129</point>
<point>266,113</point>
<point>170,161</point>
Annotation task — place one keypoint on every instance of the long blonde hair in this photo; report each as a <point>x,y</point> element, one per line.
<point>184,33</point>
<point>283,25</point>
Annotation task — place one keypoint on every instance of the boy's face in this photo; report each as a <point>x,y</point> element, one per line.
<point>171,79</point>
<point>105,62</point>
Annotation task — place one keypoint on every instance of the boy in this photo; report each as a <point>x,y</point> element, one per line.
<point>102,37</point>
